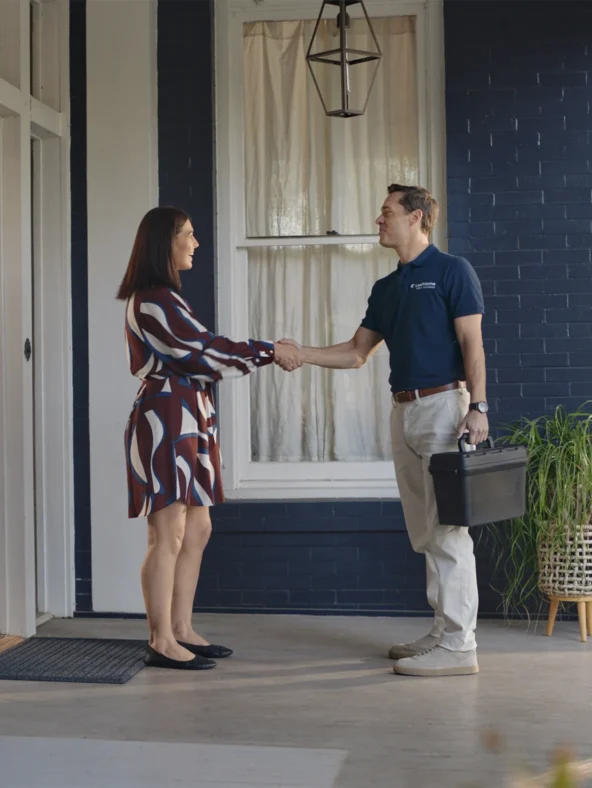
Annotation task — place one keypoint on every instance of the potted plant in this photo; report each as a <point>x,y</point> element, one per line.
<point>549,549</point>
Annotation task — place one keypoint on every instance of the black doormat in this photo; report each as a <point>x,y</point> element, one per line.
<point>82,660</point>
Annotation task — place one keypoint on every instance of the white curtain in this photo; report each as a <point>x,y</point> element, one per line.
<point>308,174</point>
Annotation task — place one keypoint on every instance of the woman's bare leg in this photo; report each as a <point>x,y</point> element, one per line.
<point>166,529</point>
<point>198,529</point>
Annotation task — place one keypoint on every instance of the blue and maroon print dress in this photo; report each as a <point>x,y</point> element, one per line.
<point>171,439</point>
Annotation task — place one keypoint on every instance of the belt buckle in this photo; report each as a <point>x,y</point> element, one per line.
<point>405,397</point>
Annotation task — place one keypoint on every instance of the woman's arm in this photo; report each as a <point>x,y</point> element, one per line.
<point>166,324</point>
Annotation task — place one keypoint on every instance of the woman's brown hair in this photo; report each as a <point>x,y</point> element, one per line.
<point>151,263</point>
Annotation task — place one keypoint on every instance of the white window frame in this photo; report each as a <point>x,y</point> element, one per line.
<point>243,478</point>
<point>51,458</point>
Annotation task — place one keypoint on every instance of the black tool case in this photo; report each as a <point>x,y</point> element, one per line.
<point>479,486</point>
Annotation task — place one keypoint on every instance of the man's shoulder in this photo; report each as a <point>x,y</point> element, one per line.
<point>449,259</point>
<point>382,283</point>
<point>452,263</point>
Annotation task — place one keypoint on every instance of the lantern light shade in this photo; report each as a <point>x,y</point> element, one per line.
<point>346,59</point>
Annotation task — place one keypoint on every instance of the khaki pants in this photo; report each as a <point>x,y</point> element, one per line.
<point>419,429</point>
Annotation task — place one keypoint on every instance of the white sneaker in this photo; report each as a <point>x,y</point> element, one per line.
<point>420,646</point>
<point>439,662</point>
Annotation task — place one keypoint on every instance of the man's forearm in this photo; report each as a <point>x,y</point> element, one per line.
<point>343,356</point>
<point>474,361</point>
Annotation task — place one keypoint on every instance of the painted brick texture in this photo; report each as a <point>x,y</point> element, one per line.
<point>518,94</point>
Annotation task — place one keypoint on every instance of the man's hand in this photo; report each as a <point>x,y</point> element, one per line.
<point>291,342</point>
<point>477,425</point>
<point>288,355</point>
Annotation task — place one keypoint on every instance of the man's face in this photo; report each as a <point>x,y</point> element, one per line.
<point>395,226</point>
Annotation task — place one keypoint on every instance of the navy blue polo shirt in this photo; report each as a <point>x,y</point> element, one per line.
<point>414,309</point>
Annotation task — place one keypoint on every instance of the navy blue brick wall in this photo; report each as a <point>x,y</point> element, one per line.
<point>344,556</point>
<point>518,96</point>
<point>311,555</point>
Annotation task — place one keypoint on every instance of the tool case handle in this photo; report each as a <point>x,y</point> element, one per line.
<point>462,443</point>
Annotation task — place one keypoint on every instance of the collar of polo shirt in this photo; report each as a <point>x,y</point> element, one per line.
<point>421,259</point>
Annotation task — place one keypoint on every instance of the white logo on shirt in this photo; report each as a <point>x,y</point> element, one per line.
<point>424,286</point>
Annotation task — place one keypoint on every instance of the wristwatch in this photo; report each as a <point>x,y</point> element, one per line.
<point>482,407</point>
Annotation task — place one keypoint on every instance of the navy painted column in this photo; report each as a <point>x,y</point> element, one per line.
<point>79,280</point>
<point>186,135</point>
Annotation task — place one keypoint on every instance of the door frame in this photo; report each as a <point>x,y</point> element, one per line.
<point>23,118</point>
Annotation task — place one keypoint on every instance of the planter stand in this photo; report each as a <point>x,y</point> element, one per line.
<point>584,604</point>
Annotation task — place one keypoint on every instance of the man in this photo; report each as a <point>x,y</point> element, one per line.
<point>429,312</point>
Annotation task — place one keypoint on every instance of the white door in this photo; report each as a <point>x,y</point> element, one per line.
<point>36,525</point>
<point>17,595</point>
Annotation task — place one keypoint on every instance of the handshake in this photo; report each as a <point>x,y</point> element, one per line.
<point>288,355</point>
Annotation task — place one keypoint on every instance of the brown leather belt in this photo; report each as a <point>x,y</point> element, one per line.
<point>409,396</point>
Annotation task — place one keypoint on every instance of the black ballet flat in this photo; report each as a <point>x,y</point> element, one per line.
<point>155,659</point>
<point>209,652</point>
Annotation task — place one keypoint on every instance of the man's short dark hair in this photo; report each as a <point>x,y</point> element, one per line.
<point>415,198</point>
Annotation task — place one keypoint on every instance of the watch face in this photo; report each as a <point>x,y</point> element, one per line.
<point>483,407</point>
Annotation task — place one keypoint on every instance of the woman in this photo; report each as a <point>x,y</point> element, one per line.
<point>172,454</point>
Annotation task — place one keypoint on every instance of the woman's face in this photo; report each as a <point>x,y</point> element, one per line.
<point>184,245</point>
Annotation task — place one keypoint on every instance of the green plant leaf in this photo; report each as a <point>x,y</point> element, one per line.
<point>558,501</point>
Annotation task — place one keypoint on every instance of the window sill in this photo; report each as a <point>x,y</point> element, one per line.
<point>297,490</point>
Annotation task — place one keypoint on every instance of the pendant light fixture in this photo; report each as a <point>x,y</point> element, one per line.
<point>343,75</point>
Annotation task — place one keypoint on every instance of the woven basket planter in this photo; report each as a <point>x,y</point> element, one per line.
<point>565,569</point>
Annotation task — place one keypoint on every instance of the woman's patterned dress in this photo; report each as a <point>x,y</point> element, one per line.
<point>171,440</point>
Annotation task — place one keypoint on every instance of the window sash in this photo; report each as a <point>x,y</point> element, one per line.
<point>244,479</point>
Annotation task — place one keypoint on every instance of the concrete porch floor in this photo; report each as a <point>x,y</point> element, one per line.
<point>319,686</point>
